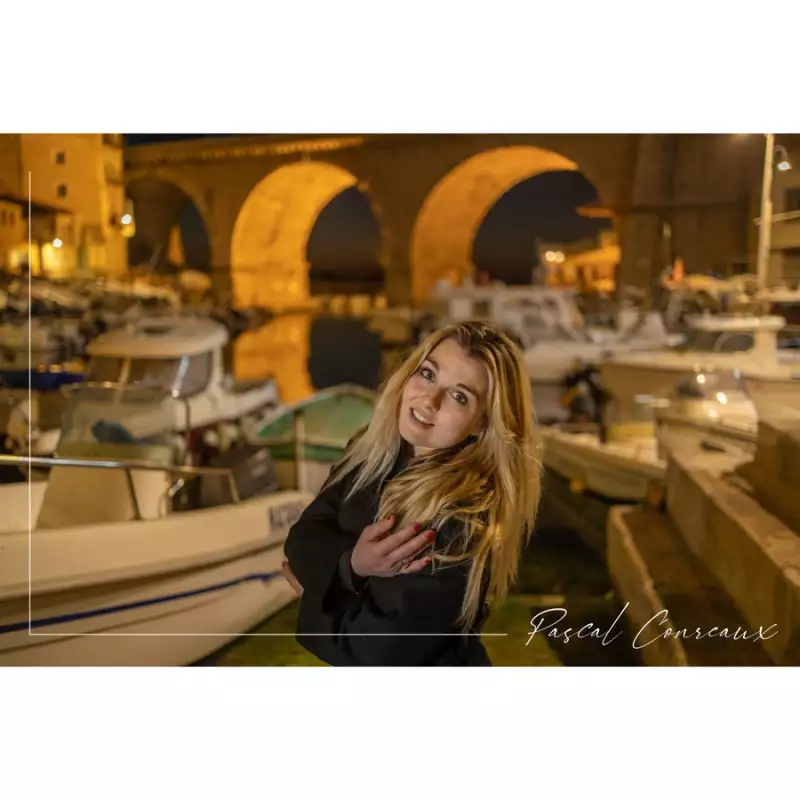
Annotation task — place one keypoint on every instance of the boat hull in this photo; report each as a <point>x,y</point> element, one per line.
<point>167,592</point>
<point>618,472</point>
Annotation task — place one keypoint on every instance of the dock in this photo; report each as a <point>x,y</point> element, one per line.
<point>723,556</point>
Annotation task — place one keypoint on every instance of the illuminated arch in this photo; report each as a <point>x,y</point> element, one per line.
<point>158,199</point>
<point>445,228</point>
<point>269,263</point>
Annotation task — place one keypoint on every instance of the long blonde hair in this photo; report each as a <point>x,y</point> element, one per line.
<point>489,485</point>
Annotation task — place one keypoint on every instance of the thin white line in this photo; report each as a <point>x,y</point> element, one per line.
<point>30,409</point>
<point>242,635</point>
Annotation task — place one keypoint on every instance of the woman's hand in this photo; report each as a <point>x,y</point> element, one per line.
<point>381,554</point>
<point>293,582</point>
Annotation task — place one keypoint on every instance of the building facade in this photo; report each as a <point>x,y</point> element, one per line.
<point>784,266</point>
<point>67,191</point>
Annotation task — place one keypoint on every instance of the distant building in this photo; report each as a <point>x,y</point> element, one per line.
<point>784,264</point>
<point>588,264</point>
<point>79,217</point>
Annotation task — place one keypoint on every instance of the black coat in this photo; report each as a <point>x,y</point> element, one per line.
<point>335,606</point>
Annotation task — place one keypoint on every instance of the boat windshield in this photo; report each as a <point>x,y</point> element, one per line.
<point>118,423</point>
<point>181,377</point>
<point>699,341</point>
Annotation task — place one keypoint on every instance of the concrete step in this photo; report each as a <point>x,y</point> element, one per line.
<point>678,613</point>
<point>751,552</point>
<point>774,473</point>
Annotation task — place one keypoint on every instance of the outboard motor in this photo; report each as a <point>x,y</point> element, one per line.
<point>584,396</point>
<point>253,471</point>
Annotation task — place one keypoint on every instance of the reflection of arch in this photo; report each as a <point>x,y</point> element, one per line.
<point>445,228</point>
<point>279,349</point>
<point>270,238</point>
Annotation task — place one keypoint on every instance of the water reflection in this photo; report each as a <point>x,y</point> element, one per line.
<point>305,354</point>
<point>279,349</point>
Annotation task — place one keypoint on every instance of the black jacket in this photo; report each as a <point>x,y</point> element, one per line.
<point>336,606</point>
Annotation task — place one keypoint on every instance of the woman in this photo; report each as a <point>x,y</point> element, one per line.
<point>426,514</point>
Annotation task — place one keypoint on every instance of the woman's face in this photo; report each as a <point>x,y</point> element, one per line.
<point>444,401</point>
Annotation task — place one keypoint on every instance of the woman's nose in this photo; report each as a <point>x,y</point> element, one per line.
<point>433,399</point>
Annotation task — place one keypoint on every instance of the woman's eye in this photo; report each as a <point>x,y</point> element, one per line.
<point>426,373</point>
<point>460,398</point>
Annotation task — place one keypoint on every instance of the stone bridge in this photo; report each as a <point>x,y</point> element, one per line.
<point>259,197</point>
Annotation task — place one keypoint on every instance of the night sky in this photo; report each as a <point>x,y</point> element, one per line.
<point>346,237</point>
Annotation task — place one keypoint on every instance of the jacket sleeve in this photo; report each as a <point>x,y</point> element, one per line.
<point>315,544</point>
<point>404,620</point>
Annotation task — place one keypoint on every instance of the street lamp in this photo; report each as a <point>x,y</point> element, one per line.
<point>765,227</point>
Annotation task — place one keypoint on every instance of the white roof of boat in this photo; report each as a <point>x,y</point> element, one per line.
<point>161,337</point>
<point>782,294</point>
<point>736,322</point>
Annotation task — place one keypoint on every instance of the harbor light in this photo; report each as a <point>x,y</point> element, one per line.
<point>57,242</point>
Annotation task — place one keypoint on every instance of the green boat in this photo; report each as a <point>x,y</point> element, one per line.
<point>307,438</point>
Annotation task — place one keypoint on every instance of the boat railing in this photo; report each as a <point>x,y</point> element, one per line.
<point>129,466</point>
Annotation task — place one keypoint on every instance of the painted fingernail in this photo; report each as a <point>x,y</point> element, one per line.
<point>430,535</point>
<point>418,526</point>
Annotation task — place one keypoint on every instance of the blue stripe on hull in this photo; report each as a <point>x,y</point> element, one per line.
<point>264,577</point>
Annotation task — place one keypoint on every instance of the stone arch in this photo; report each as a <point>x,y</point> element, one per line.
<point>269,265</point>
<point>158,196</point>
<point>450,216</point>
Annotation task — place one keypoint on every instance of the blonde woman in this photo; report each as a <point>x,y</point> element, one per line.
<point>425,516</point>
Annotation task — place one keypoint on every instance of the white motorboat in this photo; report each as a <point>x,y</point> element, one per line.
<point>623,469</point>
<point>624,460</point>
<point>708,394</point>
<point>183,355</point>
<point>744,344</point>
<point>129,557</point>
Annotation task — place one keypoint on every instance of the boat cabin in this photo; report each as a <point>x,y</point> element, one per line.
<point>734,333</point>
<point>183,356</point>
